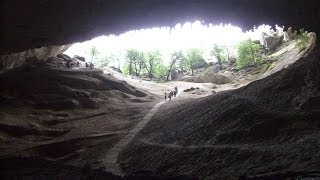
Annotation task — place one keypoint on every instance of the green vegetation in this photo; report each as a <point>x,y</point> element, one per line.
<point>135,61</point>
<point>247,54</point>
<point>94,53</point>
<point>175,56</point>
<point>264,67</point>
<point>151,64</point>
<point>140,64</point>
<point>219,53</point>
<point>302,39</point>
<point>194,56</point>
<point>102,62</point>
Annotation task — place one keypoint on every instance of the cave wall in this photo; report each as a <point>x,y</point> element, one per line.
<point>34,23</point>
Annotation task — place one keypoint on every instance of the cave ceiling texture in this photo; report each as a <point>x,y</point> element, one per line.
<point>36,23</point>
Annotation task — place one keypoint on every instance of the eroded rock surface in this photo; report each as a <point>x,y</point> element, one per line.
<point>269,126</point>
<point>18,59</point>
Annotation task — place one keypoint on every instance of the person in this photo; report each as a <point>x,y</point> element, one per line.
<point>170,95</point>
<point>165,95</point>
<point>176,89</point>
<point>68,65</point>
<point>91,66</point>
<point>87,65</point>
<point>174,93</point>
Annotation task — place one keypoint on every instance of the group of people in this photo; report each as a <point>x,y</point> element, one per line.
<point>89,65</point>
<point>171,94</point>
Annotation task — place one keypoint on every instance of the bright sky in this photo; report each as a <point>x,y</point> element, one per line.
<point>166,39</point>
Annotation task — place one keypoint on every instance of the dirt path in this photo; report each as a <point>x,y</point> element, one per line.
<point>111,159</point>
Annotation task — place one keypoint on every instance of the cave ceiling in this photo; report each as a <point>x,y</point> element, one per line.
<point>36,23</point>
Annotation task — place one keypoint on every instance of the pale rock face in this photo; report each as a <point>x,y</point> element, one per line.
<point>290,33</point>
<point>174,74</point>
<point>43,54</point>
<point>272,42</point>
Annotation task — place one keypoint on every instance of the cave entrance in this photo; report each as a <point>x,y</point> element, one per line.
<point>156,52</point>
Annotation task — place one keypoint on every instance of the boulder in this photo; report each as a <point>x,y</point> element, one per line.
<point>64,57</point>
<point>187,78</point>
<point>272,42</point>
<point>174,74</point>
<point>219,78</point>
<point>116,69</point>
<point>188,90</point>
<point>290,33</point>
<point>80,58</point>
<point>201,64</point>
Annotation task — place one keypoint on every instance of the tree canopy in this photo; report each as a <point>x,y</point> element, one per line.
<point>247,53</point>
<point>219,53</point>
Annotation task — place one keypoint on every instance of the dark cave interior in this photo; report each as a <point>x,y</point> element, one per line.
<point>41,23</point>
<point>34,24</point>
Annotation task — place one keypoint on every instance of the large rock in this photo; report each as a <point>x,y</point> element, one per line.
<point>211,77</point>
<point>64,57</point>
<point>80,58</point>
<point>174,74</point>
<point>44,53</point>
<point>201,64</point>
<point>272,42</point>
<point>218,78</point>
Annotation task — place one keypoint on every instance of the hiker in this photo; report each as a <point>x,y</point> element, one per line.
<point>68,65</point>
<point>87,65</point>
<point>176,89</point>
<point>170,95</point>
<point>165,95</point>
<point>91,66</point>
<point>174,93</point>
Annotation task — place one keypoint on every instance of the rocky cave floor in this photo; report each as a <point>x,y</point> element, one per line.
<point>60,123</point>
<point>73,117</point>
<point>267,129</point>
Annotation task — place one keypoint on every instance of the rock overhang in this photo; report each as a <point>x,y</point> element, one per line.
<point>32,24</point>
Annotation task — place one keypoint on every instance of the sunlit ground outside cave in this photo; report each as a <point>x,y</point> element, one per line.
<point>196,100</point>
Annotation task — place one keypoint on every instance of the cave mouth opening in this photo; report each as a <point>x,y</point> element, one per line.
<point>167,42</point>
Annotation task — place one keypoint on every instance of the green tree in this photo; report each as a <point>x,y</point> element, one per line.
<point>160,70</point>
<point>219,53</point>
<point>114,59</point>
<point>302,39</point>
<point>247,53</point>
<point>153,59</point>
<point>175,56</point>
<point>194,56</point>
<point>135,61</point>
<point>228,52</point>
<point>102,62</point>
<point>93,53</point>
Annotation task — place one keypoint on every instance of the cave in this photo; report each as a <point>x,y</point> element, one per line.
<point>59,123</point>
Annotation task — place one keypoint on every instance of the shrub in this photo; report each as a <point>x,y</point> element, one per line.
<point>247,51</point>
<point>302,39</point>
